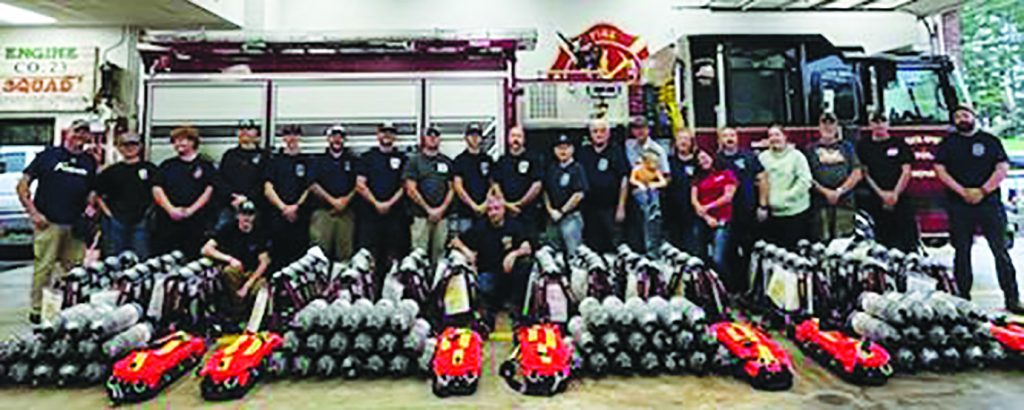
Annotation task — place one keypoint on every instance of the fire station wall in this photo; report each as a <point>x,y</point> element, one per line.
<point>657,21</point>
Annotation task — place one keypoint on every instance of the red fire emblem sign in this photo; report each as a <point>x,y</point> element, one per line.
<point>601,52</point>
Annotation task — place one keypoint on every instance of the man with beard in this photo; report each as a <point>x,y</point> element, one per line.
<point>836,171</point>
<point>605,205</point>
<point>242,168</point>
<point>65,176</point>
<point>971,163</point>
<point>517,178</point>
<point>472,181</point>
<point>383,224</point>
<point>428,183</point>
<point>749,172</point>
<point>287,180</point>
<point>332,225</point>
<point>183,189</point>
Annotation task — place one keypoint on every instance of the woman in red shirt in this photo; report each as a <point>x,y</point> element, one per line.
<point>711,196</point>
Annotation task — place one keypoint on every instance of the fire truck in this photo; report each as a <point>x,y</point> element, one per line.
<point>752,81</point>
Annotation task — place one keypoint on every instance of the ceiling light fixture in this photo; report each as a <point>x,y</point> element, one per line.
<point>17,15</point>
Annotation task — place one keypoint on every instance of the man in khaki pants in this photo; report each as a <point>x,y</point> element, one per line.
<point>333,182</point>
<point>66,175</point>
<point>244,249</point>
<point>428,183</point>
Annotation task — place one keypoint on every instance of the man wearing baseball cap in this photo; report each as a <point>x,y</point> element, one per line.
<point>286,188</point>
<point>332,225</point>
<point>125,196</point>
<point>428,183</point>
<point>66,176</point>
<point>182,190</point>
<point>638,223</point>
<point>886,165</point>
<point>383,222</point>
<point>971,163</point>
<point>836,171</point>
<point>472,181</point>
<point>565,184</point>
<point>242,168</point>
<point>244,249</point>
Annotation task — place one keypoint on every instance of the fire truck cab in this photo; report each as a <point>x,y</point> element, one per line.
<point>752,81</point>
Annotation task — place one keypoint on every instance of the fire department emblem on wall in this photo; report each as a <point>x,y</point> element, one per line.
<point>601,52</point>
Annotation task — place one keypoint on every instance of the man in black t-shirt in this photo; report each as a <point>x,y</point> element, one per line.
<point>383,223</point>
<point>245,251</point>
<point>183,190</point>
<point>500,249</point>
<point>241,173</point>
<point>886,163</point>
<point>471,183</point>
<point>972,163</point>
<point>608,175</point>
<point>287,180</point>
<point>332,225</point>
<point>65,175</point>
<point>565,184</point>
<point>125,197</point>
<point>517,178</point>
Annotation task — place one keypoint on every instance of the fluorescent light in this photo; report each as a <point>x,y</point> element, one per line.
<point>18,15</point>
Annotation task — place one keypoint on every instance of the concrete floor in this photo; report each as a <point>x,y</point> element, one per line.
<point>814,387</point>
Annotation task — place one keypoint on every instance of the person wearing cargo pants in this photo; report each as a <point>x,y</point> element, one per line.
<point>66,176</point>
<point>428,183</point>
<point>332,225</point>
<point>971,164</point>
<point>245,251</point>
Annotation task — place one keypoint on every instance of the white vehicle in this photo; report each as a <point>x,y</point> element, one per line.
<point>15,227</point>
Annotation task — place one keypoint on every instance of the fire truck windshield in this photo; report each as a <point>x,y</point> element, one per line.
<point>915,96</point>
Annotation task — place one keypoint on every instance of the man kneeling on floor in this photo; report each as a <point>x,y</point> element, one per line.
<point>245,250</point>
<point>499,249</point>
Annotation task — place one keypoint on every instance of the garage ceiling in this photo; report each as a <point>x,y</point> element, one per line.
<point>916,7</point>
<point>165,14</point>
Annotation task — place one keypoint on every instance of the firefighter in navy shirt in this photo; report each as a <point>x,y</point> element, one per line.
<point>750,200</point>
<point>565,184</point>
<point>183,189</point>
<point>972,164</point>
<point>126,197</point>
<point>332,226</point>
<point>517,178</point>
<point>242,168</point>
<point>287,180</point>
<point>244,249</point>
<point>886,161</point>
<point>65,176</point>
<point>607,173</point>
<point>472,181</point>
<point>383,226</point>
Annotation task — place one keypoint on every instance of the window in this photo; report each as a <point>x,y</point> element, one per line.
<point>28,131</point>
<point>763,85</point>
<point>915,96</point>
<point>834,87</point>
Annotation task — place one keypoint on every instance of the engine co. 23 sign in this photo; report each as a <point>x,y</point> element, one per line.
<point>47,78</point>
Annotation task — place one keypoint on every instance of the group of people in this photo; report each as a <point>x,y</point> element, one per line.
<point>257,211</point>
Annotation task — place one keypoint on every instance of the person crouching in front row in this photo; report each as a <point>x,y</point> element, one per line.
<point>244,249</point>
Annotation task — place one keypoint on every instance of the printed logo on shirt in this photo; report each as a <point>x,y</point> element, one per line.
<point>143,174</point>
<point>524,167</point>
<point>197,172</point>
<point>348,166</point>
<point>70,169</point>
<point>892,152</point>
<point>741,163</point>
<point>602,164</point>
<point>256,160</point>
<point>485,167</point>
<point>300,170</point>
<point>506,242</point>
<point>396,163</point>
<point>689,169</point>
<point>442,168</point>
<point>978,149</point>
<point>563,180</point>
<point>830,156</point>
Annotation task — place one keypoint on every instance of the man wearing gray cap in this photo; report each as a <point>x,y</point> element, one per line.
<point>66,175</point>
<point>333,177</point>
<point>125,192</point>
<point>428,183</point>
<point>642,229</point>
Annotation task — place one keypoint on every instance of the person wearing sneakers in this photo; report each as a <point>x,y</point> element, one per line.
<point>971,163</point>
<point>66,175</point>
